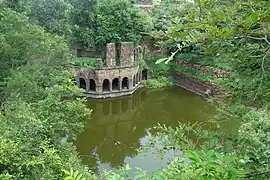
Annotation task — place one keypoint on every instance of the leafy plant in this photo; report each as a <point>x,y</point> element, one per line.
<point>85,62</point>
<point>73,175</point>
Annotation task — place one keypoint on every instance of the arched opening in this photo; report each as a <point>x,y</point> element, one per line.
<point>125,83</point>
<point>82,83</point>
<point>106,85</point>
<point>79,53</point>
<point>134,80</point>
<point>115,84</point>
<point>144,74</point>
<point>137,78</point>
<point>92,85</point>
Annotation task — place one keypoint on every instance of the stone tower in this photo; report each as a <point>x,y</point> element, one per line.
<point>110,55</point>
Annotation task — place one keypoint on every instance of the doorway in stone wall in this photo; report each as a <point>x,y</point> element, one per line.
<point>92,85</point>
<point>106,85</point>
<point>115,84</point>
<point>125,83</point>
<point>82,83</point>
<point>144,74</point>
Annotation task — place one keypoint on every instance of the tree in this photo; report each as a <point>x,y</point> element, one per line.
<point>35,117</point>
<point>83,22</point>
<point>119,20</point>
<point>53,15</point>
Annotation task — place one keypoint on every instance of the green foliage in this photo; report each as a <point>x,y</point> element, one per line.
<point>53,15</point>
<point>158,82</point>
<point>194,72</point>
<point>85,62</point>
<point>32,43</point>
<point>121,174</point>
<point>83,22</point>
<point>156,69</point>
<point>35,117</point>
<point>242,46</point>
<point>75,175</point>
<point>119,21</point>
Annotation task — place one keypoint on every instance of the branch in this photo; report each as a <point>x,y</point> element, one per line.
<point>255,174</point>
<point>257,38</point>
<point>262,65</point>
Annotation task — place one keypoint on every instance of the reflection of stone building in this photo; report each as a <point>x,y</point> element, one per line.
<point>118,126</point>
<point>114,132</point>
<point>118,78</point>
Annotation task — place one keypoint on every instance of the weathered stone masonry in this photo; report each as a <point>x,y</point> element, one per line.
<point>113,80</point>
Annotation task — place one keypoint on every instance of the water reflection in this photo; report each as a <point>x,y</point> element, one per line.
<point>119,126</point>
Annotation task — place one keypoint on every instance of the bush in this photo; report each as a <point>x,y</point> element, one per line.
<point>158,82</point>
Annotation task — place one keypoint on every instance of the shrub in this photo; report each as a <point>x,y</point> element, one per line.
<point>158,82</point>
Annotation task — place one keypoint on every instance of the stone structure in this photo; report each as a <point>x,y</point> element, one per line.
<point>193,84</point>
<point>144,2</point>
<point>145,5</point>
<point>113,80</point>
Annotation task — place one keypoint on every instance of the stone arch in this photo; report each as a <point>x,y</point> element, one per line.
<point>125,83</point>
<point>115,84</point>
<point>106,85</point>
<point>144,74</point>
<point>92,85</point>
<point>82,83</point>
<point>134,81</point>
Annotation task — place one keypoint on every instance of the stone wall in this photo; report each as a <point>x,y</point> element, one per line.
<point>196,85</point>
<point>144,2</point>
<point>127,54</point>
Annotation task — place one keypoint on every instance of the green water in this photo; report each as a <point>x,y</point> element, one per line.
<point>118,127</point>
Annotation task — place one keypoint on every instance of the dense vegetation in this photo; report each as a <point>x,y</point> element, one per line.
<point>39,108</point>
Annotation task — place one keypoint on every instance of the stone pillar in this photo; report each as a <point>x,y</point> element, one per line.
<point>127,54</point>
<point>99,87</point>
<point>120,83</point>
<point>130,83</point>
<point>110,85</point>
<point>100,62</point>
<point>110,55</point>
<point>87,82</point>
